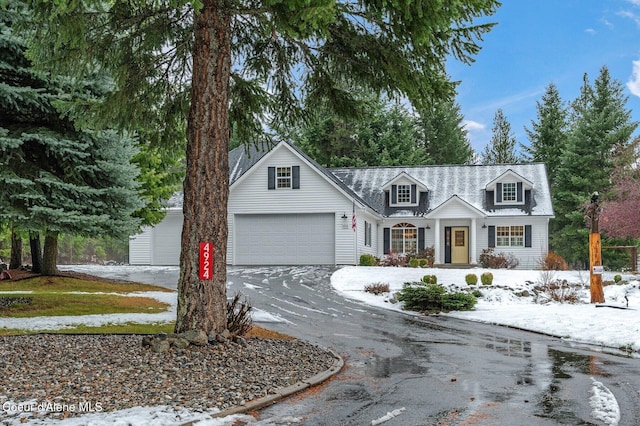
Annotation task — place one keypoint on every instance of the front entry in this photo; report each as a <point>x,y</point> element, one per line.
<point>456,242</point>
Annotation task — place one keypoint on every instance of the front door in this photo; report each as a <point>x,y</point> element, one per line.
<point>459,244</point>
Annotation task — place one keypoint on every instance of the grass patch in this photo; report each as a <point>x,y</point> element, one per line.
<point>61,284</point>
<point>66,304</point>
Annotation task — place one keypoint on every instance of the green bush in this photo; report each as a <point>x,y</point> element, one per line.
<point>430,279</point>
<point>368,260</point>
<point>420,296</point>
<point>414,263</point>
<point>471,279</point>
<point>477,294</point>
<point>617,278</point>
<point>424,263</point>
<point>486,278</point>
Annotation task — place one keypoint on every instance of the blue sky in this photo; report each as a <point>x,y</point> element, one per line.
<point>543,41</point>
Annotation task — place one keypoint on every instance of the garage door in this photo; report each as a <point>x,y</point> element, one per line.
<point>285,239</point>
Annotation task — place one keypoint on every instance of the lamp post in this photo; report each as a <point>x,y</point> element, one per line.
<point>592,217</point>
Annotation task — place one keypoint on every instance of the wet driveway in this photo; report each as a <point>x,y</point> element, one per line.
<point>403,369</point>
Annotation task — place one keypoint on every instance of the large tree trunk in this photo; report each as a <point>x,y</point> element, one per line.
<point>16,249</point>
<point>50,258</point>
<point>36,252</point>
<point>202,302</point>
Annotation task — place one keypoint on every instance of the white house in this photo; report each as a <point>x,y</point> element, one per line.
<point>285,209</point>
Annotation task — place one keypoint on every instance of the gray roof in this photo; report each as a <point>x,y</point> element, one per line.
<point>468,182</point>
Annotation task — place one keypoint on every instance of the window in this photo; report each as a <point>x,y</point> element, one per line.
<point>404,238</point>
<point>509,193</point>
<point>283,177</point>
<point>404,194</point>
<point>510,236</point>
<point>367,233</point>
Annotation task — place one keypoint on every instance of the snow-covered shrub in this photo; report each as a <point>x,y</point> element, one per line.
<point>419,296</point>
<point>490,259</point>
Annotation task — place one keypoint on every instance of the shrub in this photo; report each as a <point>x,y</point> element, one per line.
<point>429,255</point>
<point>486,278</point>
<point>377,288</point>
<point>493,260</point>
<point>553,262</point>
<point>239,320</point>
<point>471,279</point>
<point>394,259</point>
<point>430,279</point>
<point>556,291</point>
<point>477,293</point>
<point>433,297</point>
<point>368,260</point>
<point>424,263</point>
<point>414,262</point>
<point>617,278</point>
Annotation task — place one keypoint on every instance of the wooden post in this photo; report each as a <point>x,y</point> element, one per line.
<point>595,259</point>
<point>595,250</point>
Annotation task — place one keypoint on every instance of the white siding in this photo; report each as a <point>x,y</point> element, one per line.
<point>140,247</point>
<point>166,239</point>
<point>529,257</point>
<point>250,195</point>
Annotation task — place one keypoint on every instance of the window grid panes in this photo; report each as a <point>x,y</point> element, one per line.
<point>404,238</point>
<point>283,177</point>
<point>510,236</point>
<point>404,194</point>
<point>509,192</point>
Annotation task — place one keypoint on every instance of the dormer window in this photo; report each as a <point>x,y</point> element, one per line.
<point>509,192</point>
<point>404,195</point>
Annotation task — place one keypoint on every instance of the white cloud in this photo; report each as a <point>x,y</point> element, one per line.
<point>590,31</point>
<point>630,15</point>
<point>634,2</point>
<point>472,126</point>
<point>634,83</point>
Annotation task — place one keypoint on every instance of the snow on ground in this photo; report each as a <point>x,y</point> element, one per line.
<point>581,322</point>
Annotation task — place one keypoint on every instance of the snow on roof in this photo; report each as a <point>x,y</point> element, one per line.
<point>465,181</point>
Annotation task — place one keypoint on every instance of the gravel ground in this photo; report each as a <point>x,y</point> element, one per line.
<point>114,372</point>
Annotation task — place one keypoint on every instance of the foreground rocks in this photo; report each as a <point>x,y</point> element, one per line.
<point>115,372</point>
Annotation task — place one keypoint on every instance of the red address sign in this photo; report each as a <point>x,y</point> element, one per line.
<point>206,261</point>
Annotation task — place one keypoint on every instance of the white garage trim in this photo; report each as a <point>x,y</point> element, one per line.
<point>284,239</point>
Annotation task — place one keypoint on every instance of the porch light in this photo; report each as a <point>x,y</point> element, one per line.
<point>344,215</point>
<point>484,225</point>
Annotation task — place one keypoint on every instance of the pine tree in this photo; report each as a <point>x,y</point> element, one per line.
<point>501,147</point>
<point>55,178</point>
<point>249,63</point>
<point>601,127</point>
<point>548,136</point>
<point>445,138</point>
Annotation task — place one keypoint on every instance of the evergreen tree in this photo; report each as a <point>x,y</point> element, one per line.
<point>248,62</point>
<point>445,138</point>
<point>601,127</point>
<point>383,135</point>
<point>548,136</point>
<point>501,147</point>
<point>55,178</point>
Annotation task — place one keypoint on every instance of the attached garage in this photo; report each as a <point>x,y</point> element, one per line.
<point>166,240</point>
<point>284,239</point>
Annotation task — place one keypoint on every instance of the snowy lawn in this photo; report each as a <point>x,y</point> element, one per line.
<point>581,322</point>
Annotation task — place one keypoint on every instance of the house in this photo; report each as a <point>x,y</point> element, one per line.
<point>285,209</point>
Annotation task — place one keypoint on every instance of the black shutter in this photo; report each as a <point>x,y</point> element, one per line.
<point>414,195</point>
<point>447,244</point>
<point>498,192</point>
<point>420,239</point>
<point>394,194</point>
<point>387,240</point>
<point>492,236</point>
<point>295,175</point>
<point>272,178</point>
<point>519,189</point>
<point>527,235</point>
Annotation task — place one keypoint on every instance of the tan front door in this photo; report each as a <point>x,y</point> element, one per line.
<point>459,245</point>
